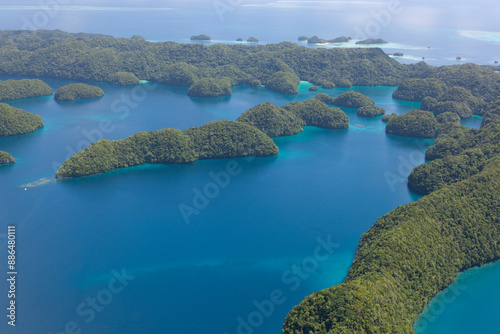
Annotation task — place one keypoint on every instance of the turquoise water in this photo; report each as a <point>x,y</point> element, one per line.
<point>259,233</point>
<point>247,242</point>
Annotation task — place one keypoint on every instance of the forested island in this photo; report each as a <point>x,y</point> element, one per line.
<point>372,41</point>
<point>371,111</point>
<point>349,99</point>
<point>123,79</point>
<point>202,37</point>
<point>78,91</point>
<point>23,89</point>
<point>6,158</point>
<point>415,123</point>
<point>14,121</point>
<point>214,140</point>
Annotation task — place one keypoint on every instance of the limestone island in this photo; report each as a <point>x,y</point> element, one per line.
<point>303,38</point>
<point>313,88</point>
<point>78,91</point>
<point>415,123</point>
<point>239,39</point>
<point>14,121</point>
<point>252,40</point>
<point>289,119</point>
<point>370,111</point>
<point>349,99</point>
<point>214,140</point>
<point>316,40</point>
<point>372,41</point>
<point>341,39</point>
<point>6,158</point>
<point>123,79</point>
<point>417,89</point>
<point>202,37</point>
<point>23,89</point>
<point>210,87</point>
<point>398,54</point>
<point>456,99</point>
<point>386,118</point>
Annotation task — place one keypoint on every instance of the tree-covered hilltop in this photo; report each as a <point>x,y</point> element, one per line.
<point>448,117</point>
<point>22,89</point>
<point>209,87</point>
<point>349,99</point>
<point>272,120</point>
<point>418,89</point>
<point>6,158</point>
<point>214,140</point>
<point>458,100</point>
<point>284,82</point>
<point>456,155</point>
<point>14,121</point>
<point>123,79</point>
<point>415,123</point>
<point>371,111</point>
<point>387,118</point>
<point>406,258</point>
<point>316,113</point>
<point>78,91</point>
<point>492,113</point>
<point>372,41</point>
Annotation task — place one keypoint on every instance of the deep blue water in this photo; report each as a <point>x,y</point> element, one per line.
<point>259,233</point>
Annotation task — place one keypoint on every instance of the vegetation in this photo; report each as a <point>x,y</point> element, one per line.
<point>316,40</point>
<point>78,91</point>
<point>15,121</point>
<point>418,89</point>
<point>6,158</point>
<point>123,79</point>
<point>252,40</point>
<point>386,118</point>
<point>371,111</point>
<point>220,139</point>
<point>492,114</point>
<point>341,39</point>
<point>202,37</point>
<point>303,38</point>
<point>313,88</point>
<point>448,117</point>
<point>284,82</point>
<point>352,99</point>
<point>372,41</point>
<point>458,108</point>
<point>209,87</point>
<point>272,120</point>
<point>415,123</point>
<point>406,258</point>
<point>22,89</point>
<point>316,113</point>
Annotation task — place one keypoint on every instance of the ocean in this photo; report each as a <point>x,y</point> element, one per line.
<point>113,253</point>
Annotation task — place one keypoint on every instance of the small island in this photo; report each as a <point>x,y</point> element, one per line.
<point>214,140</point>
<point>78,91</point>
<point>316,40</point>
<point>202,37</point>
<point>372,41</point>
<point>417,89</point>
<point>6,158</point>
<point>398,54</point>
<point>123,79</point>
<point>349,99</point>
<point>239,39</point>
<point>448,117</point>
<point>303,38</point>
<point>341,39</point>
<point>415,123</point>
<point>313,88</point>
<point>210,87</point>
<point>316,113</point>
<point>252,40</point>
<point>370,111</point>
<point>23,89</point>
<point>272,120</point>
<point>14,121</point>
<point>386,118</point>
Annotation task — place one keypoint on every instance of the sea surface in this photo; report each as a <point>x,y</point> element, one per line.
<point>114,253</point>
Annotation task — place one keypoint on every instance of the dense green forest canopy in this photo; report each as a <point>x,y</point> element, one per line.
<point>210,87</point>
<point>316,113</point>
<point>6,158</point>
<point>123,79</point>
<point>22,89</point>
<point>406,258</point>
<point>349,99</point>
<point>370,111</point>
<point>78,91</point>
<point>14,121</point>
<point>214,140</point>
<point>92,57</point>
<point>415,123</point>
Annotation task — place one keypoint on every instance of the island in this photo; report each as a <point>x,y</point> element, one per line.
<point>23,89</point>
<point>252,40</point>
<point>349,99</point>
<point>123,79</point>
<point>415,123</point>
<point>341,39</point>
<point>316,113</point>
<point>406,258</point>
<point>272,120</point>
<point>398,54</point>
<point>6,158</point>
<point>456,99</point>
<point>239,39</point>
<point>417,89</point>
<point>386,118</point>
<point>370,111</point>
<point>303,38</point>
<point>14,121</point>
<point>316,40</point>
<point>214,140</point>
<point>202,37</point>
<point>372,41</point>
<point>448,117</point>
<point>285,82</point>
<point>210,87</point>
<point>78,91</point>
<point>313,88</point>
